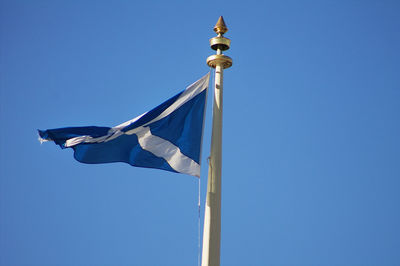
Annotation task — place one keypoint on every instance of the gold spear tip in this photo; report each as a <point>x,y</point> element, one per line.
<point>220,27</point>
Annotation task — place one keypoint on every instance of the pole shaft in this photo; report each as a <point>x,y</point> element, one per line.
<point>212,219</point>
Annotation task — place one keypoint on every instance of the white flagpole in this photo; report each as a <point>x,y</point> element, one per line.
<point>212,218</point>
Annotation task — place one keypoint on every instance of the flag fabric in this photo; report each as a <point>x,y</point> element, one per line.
<point>168,137</point>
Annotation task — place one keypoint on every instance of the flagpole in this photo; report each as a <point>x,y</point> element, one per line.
<point>212,217</point>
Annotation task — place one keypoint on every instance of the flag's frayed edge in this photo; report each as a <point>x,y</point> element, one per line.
<point>41,140</point>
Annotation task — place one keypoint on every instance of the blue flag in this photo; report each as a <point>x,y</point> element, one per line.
<point>168,137</point>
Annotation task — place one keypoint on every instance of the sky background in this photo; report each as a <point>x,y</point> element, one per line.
<point>311,147</point>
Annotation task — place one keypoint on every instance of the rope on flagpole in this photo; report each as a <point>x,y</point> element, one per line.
<point>199,228</point>
<point>212,77</point>
<point>199,200</point>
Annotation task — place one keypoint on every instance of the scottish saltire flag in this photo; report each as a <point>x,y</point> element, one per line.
<point>168,137</point>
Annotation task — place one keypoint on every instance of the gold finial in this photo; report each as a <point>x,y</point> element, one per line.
<point>220,44</point>
<point>220,28</point>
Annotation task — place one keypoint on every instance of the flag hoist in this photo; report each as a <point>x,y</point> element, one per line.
<point>212,218</point>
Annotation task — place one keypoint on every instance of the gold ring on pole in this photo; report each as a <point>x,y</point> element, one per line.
<point>219,59</point>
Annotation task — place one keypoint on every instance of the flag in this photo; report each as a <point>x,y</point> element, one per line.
<point>168,137</point>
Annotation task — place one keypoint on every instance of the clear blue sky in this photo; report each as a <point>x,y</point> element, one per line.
<point>311,147</point>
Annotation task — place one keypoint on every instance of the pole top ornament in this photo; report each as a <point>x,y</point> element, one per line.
<point>220,44</point>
